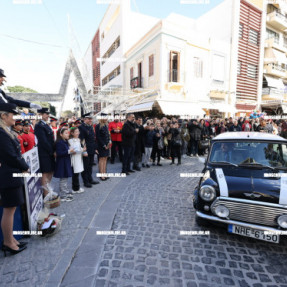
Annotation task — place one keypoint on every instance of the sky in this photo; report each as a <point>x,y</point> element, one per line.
<point>35,39</point>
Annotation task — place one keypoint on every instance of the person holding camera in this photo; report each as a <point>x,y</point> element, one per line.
<point>12,187</point>
<point>6,99</point>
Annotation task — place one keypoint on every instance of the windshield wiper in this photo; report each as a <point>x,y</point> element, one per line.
<point>226,162</point>
<point>258,164</point>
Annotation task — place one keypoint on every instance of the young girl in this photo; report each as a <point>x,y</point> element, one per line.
<point>63,168</point>
<point>76,159</point>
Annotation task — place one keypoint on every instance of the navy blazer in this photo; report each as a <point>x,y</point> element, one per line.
<point>45,138</point>
<point>13,101</point>
<point>11,161</point>
<point>87,133</point>
<point>103,136</point>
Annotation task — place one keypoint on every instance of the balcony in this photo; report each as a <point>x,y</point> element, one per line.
<point>136,83</point>
<point>174,81</point>
<point>275,70</point>
<point>272,94</point>
<point>276,43</point>
<point>173,76</point>
<point>277,20</point>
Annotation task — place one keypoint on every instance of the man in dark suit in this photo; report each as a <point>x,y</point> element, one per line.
<point>6,99</point>
<point>46,149</point>
<point>129,132</point>
<point>87,133</point>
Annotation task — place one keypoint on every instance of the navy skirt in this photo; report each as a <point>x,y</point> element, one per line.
<point>47,163</point>
<point>12,197</point>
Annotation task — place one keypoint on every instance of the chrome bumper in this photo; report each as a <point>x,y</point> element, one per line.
<point>227,221</point>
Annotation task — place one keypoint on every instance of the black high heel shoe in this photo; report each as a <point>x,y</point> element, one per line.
<point>12,251</point>
<point>21,244</point>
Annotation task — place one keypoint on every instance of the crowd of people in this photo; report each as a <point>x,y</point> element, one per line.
<point>68,147</point>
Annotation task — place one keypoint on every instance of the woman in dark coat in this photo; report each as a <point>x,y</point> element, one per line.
<point>204,136</point>
<point>195,135</point>
<point>11,188</point>
<point>63,167</point>
<point>104,145</point>
<point>176,143</point>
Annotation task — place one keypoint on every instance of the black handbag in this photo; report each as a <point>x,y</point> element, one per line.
<point>176,141</point>
<point>203,144</point>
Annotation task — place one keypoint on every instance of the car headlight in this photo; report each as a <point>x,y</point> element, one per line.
<point>282,221</point>
<point>207,193</point>
<point>221,211</point>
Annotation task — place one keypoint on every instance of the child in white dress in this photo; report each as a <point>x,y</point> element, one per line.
<point>76,159</point>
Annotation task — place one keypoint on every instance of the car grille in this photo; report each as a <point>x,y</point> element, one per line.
<point>243,210</point>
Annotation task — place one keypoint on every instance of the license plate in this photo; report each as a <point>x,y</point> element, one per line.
<point>253,233</point>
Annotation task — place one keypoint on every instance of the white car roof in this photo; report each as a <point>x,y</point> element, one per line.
<point>248,136</point>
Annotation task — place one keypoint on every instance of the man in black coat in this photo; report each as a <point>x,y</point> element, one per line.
<point>128,142</point>
<point>87,133</point>
<point>45,137</point>
<point>139,144</point>
<point>195,134</point>
<point>6,99</point>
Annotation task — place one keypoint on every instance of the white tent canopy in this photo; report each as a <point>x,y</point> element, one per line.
<point>181,108</point>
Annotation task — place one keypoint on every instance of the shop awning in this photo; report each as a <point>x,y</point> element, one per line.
<point>273,55</point>
<point>181,108</point>
<point>280,57</point>
<point>140,107</point>
<point>220,106</point>
<point>274,82</point>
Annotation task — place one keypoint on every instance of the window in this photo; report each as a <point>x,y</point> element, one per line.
<point>218,68</point>
<point>111,75</point>
<point>150,65</point>
<point>251,71</point>
<point>131,73</point>
<point>198,67</point>
<point>271,34</point>
<point>103,36</point>
<point>238,67</point>
<point>253,37</point>
<point>112,49</point>
<point>285,42</point>
<point>240,30</point>
<point>174,66</point>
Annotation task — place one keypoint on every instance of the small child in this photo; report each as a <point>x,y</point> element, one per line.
<point>76,159</point>
<point>63,168</point>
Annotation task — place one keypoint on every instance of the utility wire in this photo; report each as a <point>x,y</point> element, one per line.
<point>30,41</point>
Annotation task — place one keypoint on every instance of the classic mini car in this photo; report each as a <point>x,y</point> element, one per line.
<point>244,185</point>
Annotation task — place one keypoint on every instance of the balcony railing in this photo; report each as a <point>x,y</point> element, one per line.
<point>281,16</point>
<point>173,75</point>
<point>272,92</point>
<point>136,83</point>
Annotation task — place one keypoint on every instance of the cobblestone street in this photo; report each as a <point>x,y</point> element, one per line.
<point>152,207</point>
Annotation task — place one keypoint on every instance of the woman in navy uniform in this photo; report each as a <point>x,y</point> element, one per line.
<point>46,148</point>
<point>104,144</point>
<point>11,188</point>
<point>87,134</point>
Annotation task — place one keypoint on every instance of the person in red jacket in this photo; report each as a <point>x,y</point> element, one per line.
<point>115,129</point>
<point>18,129</point>
<point>27,136</point>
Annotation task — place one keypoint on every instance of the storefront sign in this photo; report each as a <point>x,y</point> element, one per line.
<point>33,191</point>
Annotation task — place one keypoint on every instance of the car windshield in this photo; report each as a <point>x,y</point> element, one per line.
<point>249,153</point>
